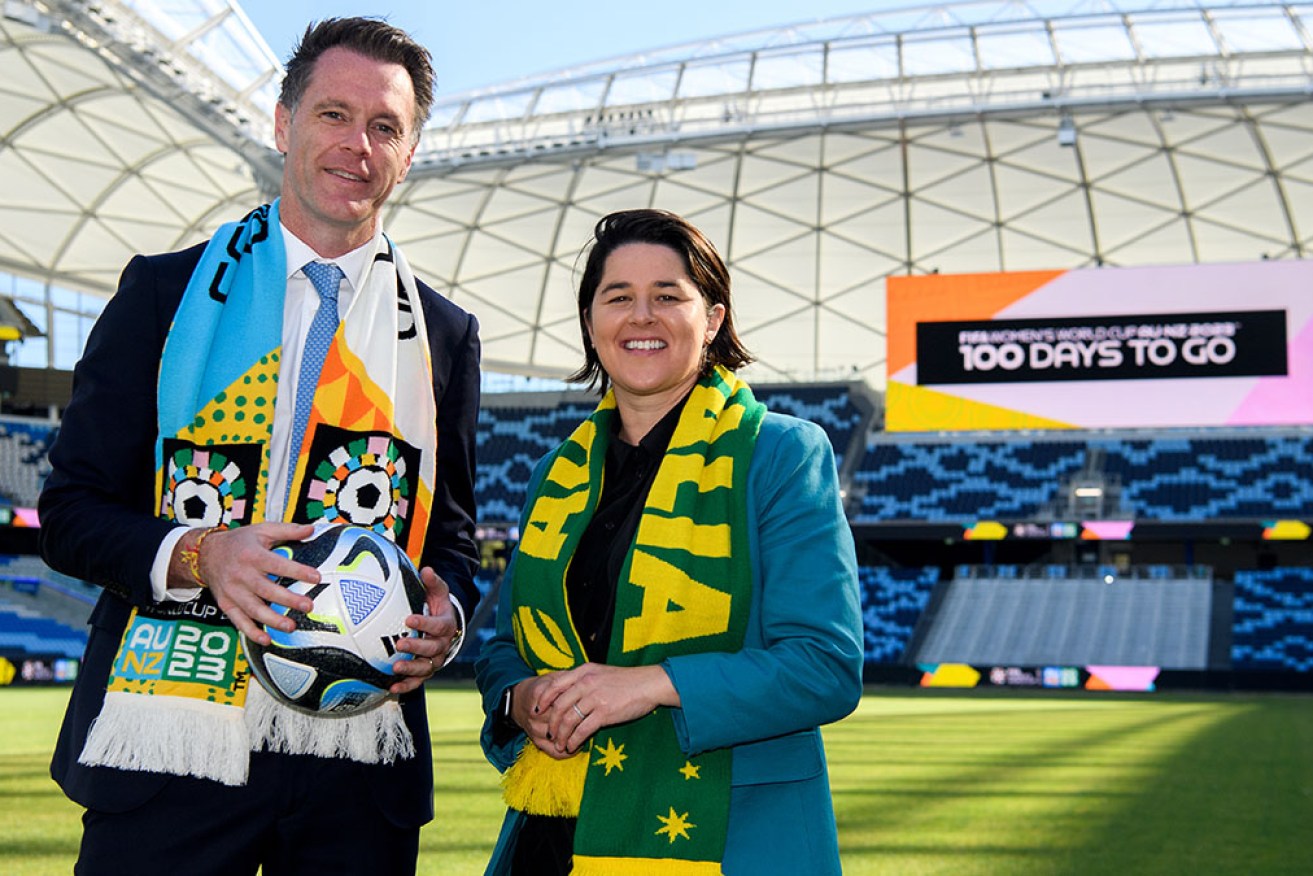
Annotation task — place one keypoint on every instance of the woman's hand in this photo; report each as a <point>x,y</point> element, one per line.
<point>566,708</point>
<point>526,713</point>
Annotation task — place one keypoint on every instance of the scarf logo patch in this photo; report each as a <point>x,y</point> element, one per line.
<point>180,646</point>
<point>209,485</point>
<point>367,479</point>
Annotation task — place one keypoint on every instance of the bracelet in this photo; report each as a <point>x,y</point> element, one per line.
<point>191,557</point>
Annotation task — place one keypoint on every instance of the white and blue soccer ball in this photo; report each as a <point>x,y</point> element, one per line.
<point>338,660</point>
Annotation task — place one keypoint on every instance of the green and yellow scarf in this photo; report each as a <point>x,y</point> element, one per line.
<point>179,698</point>
<point>685,587</point>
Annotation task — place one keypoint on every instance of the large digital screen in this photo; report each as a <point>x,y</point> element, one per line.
<point>1188,345</point>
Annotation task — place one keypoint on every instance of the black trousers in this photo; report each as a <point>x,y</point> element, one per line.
<point>296,815</point>
<point>544,846</point>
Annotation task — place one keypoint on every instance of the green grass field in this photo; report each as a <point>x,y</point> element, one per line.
<point>924,783</point>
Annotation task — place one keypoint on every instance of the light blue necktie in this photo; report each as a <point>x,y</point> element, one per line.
<point>325,279</point>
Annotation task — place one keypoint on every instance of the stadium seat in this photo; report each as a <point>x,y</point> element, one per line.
<point>893,600</point>
<point>1273,625</point>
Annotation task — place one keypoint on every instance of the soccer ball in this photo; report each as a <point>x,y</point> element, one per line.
<point>338,660</point>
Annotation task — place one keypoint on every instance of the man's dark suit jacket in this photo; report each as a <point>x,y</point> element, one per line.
<point>97,520</point>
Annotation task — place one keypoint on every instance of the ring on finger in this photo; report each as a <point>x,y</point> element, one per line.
<point>579,712</point>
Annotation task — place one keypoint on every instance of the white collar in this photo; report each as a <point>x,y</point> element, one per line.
<point>354,264</point>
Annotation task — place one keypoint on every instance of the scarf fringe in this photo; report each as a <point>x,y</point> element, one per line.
<point>171,735</point>
<point>588,865</point>
<point>377,736</point>
<point>542,785</point>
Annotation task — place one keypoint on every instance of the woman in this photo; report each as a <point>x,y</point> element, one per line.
<point>682,612</point>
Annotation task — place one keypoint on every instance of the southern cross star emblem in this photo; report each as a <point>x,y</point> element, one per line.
<point>611,756</point>
<point>675,825</point>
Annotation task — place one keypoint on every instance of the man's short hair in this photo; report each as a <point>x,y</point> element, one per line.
<point>372,37</point>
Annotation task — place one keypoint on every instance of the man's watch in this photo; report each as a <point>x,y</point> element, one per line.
<point>457,639</point>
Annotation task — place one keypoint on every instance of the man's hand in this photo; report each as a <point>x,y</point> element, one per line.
<point>236,565</point>
<point>439,632</point>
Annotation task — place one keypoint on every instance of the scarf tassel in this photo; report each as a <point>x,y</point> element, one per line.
<point>169,735</point>
<point>542,785</point>
<point>379,735</point>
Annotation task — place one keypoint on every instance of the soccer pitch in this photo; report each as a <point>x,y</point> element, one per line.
<point>925,782</point>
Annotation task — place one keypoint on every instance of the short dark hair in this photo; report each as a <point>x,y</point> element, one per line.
<point>372,37</point>
<point>705,268</point>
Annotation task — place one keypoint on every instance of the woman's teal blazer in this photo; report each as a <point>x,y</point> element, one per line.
<point>800,665</point>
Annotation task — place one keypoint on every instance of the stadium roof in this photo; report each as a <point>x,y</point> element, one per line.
<point>821,158</point>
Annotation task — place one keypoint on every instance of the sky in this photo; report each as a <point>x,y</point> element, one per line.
<point>476,43</point>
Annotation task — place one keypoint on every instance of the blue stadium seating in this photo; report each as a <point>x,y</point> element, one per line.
<point>1212,478</point>
<point>510,442</point>
<point>829,407</point>
<point>1167,479</point>
<point>893,600</point>
<point>957,481</point>
<point>1273,627</point>
<point>23,465</point>
<point>1161,479</point>
<point>23,631</point>
<point>900,478</point>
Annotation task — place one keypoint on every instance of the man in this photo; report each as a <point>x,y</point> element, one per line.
<point>224,403</point>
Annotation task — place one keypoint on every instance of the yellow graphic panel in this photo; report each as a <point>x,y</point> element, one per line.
<point>919,409</point>
<point>950,675</point>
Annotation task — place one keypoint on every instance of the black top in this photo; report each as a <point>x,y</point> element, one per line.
<point>545,845</point>
<point>590,583</point>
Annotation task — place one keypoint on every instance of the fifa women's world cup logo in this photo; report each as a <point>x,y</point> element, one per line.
<point>367,479</point>
<point>209,485</point>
